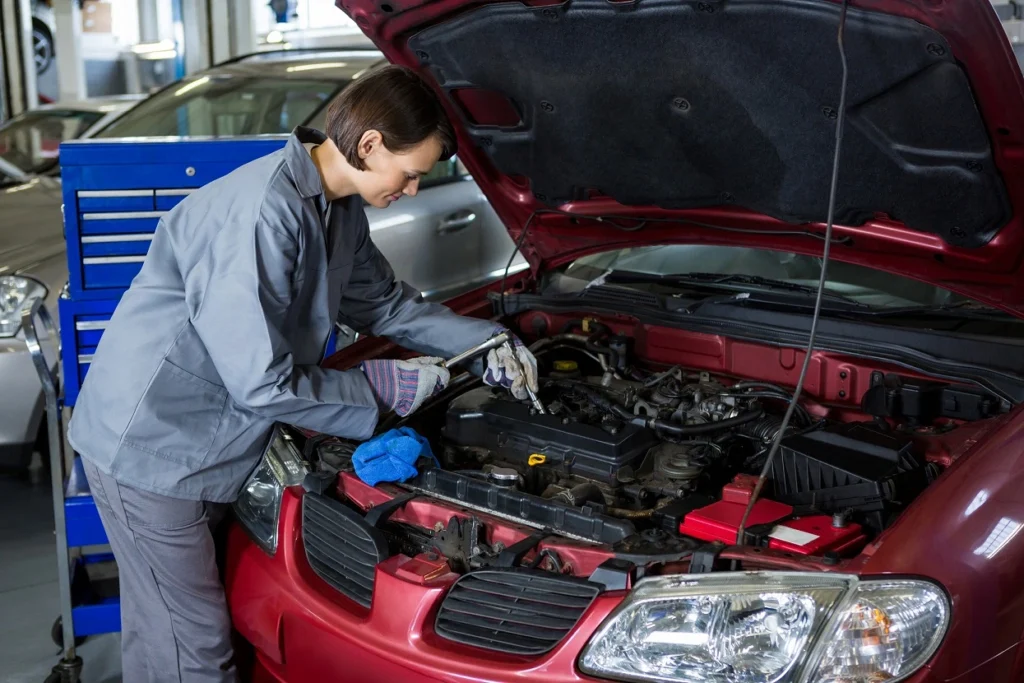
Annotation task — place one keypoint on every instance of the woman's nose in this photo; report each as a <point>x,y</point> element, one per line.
<point>412,188</point>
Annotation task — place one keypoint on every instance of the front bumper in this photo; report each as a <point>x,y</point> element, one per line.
<point>303,629</point>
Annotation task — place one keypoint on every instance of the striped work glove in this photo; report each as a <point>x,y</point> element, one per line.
<point>403,385</point>
<point>501,371</point>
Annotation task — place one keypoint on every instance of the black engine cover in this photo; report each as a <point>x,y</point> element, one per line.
<point>486,418</point>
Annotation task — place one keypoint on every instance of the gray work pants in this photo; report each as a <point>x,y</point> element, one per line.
<point>174,618</point>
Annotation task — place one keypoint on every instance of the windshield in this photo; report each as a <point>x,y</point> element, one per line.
<point>857,284</point>
<point>31,141</point>
<point>224,105</point>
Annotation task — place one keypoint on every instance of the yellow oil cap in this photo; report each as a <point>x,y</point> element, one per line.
<point>566,366</point>
<point>536,459</point>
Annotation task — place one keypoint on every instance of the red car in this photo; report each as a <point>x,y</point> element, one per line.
<point>665,168</point>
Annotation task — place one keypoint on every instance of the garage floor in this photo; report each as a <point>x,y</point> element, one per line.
<point>29,595</point>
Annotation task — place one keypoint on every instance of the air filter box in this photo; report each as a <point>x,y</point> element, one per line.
<point>854,468</point>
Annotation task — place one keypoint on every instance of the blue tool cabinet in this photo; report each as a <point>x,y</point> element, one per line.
<point>115,192</point>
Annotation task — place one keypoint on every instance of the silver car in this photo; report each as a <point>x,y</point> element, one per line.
<point>445,240</point>
<point>32,262</point>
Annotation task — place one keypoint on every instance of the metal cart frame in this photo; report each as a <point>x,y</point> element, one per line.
<point>69,669</point>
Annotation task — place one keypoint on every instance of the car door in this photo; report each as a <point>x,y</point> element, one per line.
<point>434,240</point>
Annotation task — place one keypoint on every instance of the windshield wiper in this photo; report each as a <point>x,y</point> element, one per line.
<point>719,281</point>
<point>960,309</point>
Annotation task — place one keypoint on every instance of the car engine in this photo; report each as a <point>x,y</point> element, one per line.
<point>647,461</point>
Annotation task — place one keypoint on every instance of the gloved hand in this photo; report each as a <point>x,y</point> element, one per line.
<point>501,371</point>
<point>403,385</point>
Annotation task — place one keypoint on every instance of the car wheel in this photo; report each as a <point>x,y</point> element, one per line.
<point>42,46</point>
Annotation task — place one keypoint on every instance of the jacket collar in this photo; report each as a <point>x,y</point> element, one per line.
<point>307,179</point>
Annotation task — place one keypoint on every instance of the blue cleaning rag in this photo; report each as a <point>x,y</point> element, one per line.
<point>391,456</point>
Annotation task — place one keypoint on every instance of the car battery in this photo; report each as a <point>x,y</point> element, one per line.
<point>770,523</point>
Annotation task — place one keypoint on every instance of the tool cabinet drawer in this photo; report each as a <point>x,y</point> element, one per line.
<point>110,248</point>
<point>116,192</point>
<point>81,326</point>
<point>116,200</point>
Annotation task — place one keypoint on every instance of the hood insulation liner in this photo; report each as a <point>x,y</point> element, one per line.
<point>695,104</point>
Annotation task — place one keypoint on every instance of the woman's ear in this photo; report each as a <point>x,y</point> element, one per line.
<point>370,142</point>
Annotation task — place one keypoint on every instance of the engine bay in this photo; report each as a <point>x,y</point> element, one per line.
<point>648,461</point>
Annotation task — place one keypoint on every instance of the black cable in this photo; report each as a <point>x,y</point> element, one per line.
<point>833,191</point>
<point>706,427</point>
<point>508,266</point>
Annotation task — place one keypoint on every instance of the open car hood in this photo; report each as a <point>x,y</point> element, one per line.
<point>715,121</point>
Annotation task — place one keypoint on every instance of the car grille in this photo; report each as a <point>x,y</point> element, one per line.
<point>522,612</point>
<point>341,547</point>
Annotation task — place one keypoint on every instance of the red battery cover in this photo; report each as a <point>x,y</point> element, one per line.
<point>803,536</point>
<point>721,521</point>
<point>815,535</point>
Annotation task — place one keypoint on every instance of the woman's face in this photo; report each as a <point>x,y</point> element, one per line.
<point>389,175</point>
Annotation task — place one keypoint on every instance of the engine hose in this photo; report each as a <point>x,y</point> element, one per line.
<point>580,495</point>
<point>694,430</point>
<point>763,430</point>
<point>800,410</point>
<point>760,385</point>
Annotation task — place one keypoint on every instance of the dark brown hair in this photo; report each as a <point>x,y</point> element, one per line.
<point>396,102</point>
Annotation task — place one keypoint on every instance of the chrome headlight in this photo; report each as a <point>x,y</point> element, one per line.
<point>770,627</point>
<point>15,294</point>
<point>258,507</point>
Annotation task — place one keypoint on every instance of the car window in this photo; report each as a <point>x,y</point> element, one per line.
<point>861,284</point>
<point>31,141</point>
<point>224,105</point>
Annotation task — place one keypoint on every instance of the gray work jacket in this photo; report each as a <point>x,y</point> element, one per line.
<point>222,331</point>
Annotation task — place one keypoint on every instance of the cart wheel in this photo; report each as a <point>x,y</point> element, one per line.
<point>57,635</point>
<point>53,678</point>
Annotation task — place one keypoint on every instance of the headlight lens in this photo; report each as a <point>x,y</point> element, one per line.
<point>721,628</point>
<point>770,627</point>
<point>888,630</point>
<point>16,293</point>
<point>258,507</point>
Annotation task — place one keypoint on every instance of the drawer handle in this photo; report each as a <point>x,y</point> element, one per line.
<point>121,215</point>
<point>87,325</point>
<point>100,239</point>
<point>108,194</point>
<point>85,358</point>
<point>175,193</point>
<point>102,260</point>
